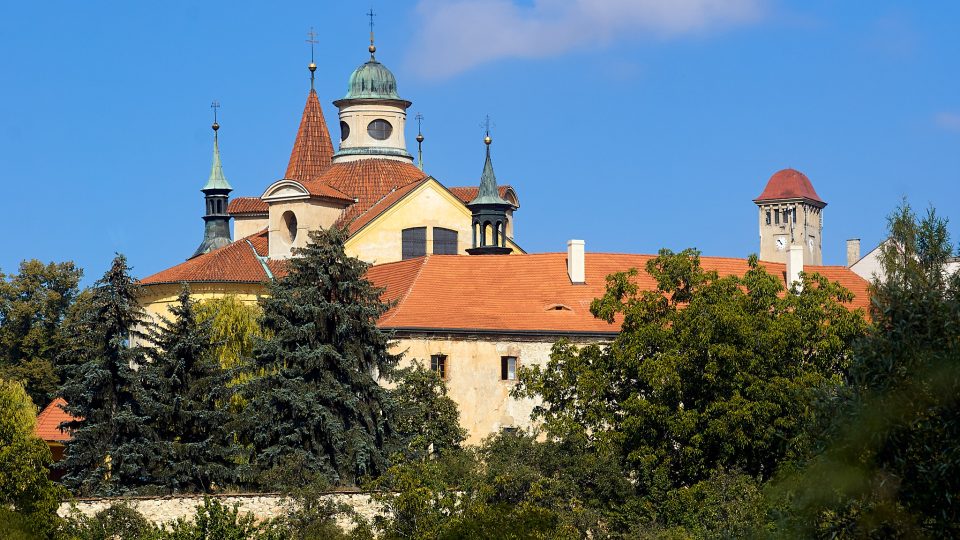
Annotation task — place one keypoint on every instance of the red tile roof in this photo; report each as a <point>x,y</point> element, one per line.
<point>368,181</point>
<point>236,262</point>
<point>389,200</point>
<point>469,193</point>
<point>312,150</point>
<point>320,189</point>
<point>49,420</point>
<point>789,184</point>
<point>520,293</point>
<point>247,205</point>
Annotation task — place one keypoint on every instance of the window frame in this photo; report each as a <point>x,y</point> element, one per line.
<point>452,242</point>
<point>505,368</point>
<point>438,365</point>
<point>374,132</point>
<point>409,250</point>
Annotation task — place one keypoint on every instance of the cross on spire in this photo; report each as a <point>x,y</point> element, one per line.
<point>419,118</point>
<point>372,47</point>
<point>312,40</point>
<point>486,125</point>
<point>215,105</point>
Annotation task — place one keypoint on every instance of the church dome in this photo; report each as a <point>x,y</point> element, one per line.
<point>372,80</point>
<point>789,184</point>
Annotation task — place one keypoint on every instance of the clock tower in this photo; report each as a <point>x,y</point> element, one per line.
<point>791,214</point>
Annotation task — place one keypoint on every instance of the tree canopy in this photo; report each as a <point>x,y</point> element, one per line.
<point>316,403</point>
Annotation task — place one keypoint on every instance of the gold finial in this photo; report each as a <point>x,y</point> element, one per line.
<point>312,40</point>
<point>372,48</point>
<point>215,105</point>
<point>486,129</point>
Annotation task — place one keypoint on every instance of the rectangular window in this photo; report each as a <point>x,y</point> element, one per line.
<point>438,363</point>
<point>414,242</point>
<point>444,241</point>
<point>508,368</point>
<point>768,217</point>
<point>776,216</point>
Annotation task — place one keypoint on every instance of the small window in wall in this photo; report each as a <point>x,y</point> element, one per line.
<point>768,217</point>
<point>289,227</point>
<point>414,242</point>
<point>379,129</point>
<point>776,216</point>
<point>444,241</point>
<point>508,368</point>
<point>438,363</point>
<point>344,130</point>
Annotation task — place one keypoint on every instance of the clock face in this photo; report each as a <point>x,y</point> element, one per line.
<point>781,243</point>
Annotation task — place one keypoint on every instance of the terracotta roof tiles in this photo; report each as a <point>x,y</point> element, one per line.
<point>528,293</point>
<point>312,149</point>
<point>236,262</point>
<point>368,181</point>
<point>469,193</point>
<point>789,184</point>
<point>247,205</point>
<point>49,420</point>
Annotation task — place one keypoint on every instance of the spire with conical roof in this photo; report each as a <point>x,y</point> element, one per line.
<point>489,211</point>
<point>216,192</point>
<point>313,149</point>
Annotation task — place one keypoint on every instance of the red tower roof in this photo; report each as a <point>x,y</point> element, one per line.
<point>789,184</point>
<point>312,151</point>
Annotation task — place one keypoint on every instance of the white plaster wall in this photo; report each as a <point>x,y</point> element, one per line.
<point>244,226</point>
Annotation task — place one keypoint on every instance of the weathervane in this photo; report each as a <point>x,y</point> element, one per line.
<point>312,40</point>
<point>372,47</point>
<point>419,118</point>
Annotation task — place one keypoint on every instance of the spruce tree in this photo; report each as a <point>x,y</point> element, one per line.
<point>188,401</point>
<point>318,409</point>
<point>102,368</point>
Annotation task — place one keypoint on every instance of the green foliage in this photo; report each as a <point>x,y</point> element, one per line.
<point>118,520</point>
<point>33,304</point>
<point>188,399</point>
<point>318,402</point>
<point>110,448</point>
<point>427,420</point>
<point>891,467</point>
<point>234,329</point>
<point>708,372</point>
<point>25,488</point>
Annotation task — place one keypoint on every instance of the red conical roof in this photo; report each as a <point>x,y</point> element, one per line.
<point>313,150</point>
<point>789,184</point>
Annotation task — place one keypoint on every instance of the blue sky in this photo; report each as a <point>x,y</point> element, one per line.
<point>633,124</point>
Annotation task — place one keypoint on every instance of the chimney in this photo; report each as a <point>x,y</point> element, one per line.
<point>794,264</point>
<point>575,263</point>
<point>853,251</point>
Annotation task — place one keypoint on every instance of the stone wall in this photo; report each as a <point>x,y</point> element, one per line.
<point>262,505</point>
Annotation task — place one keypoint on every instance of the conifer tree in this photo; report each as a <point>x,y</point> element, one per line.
<point>101,365</point>
<point>318,406</point>
<point>188,402</point>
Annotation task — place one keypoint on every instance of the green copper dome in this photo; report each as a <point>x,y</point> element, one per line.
<point>372,80</point>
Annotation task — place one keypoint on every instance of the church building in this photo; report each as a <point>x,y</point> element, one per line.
<point>470,302</point>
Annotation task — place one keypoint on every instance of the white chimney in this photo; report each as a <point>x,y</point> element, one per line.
<point>794,264</point>
<point>853,251</point>
<point>575,262</point>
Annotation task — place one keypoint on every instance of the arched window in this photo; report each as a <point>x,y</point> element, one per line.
<point>444,241</point>
<point>414,242</point>
<point>289,227</point>
<point>344,130</point>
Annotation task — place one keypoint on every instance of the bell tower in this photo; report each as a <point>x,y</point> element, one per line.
<point>790,214</point>
<point>489,209</point>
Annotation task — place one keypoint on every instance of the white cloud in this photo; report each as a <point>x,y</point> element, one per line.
<point>948,120</point>
<point>456,35</point>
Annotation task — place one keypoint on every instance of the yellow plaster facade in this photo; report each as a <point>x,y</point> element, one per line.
<point>157,299</point>
<point>473,378</point>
